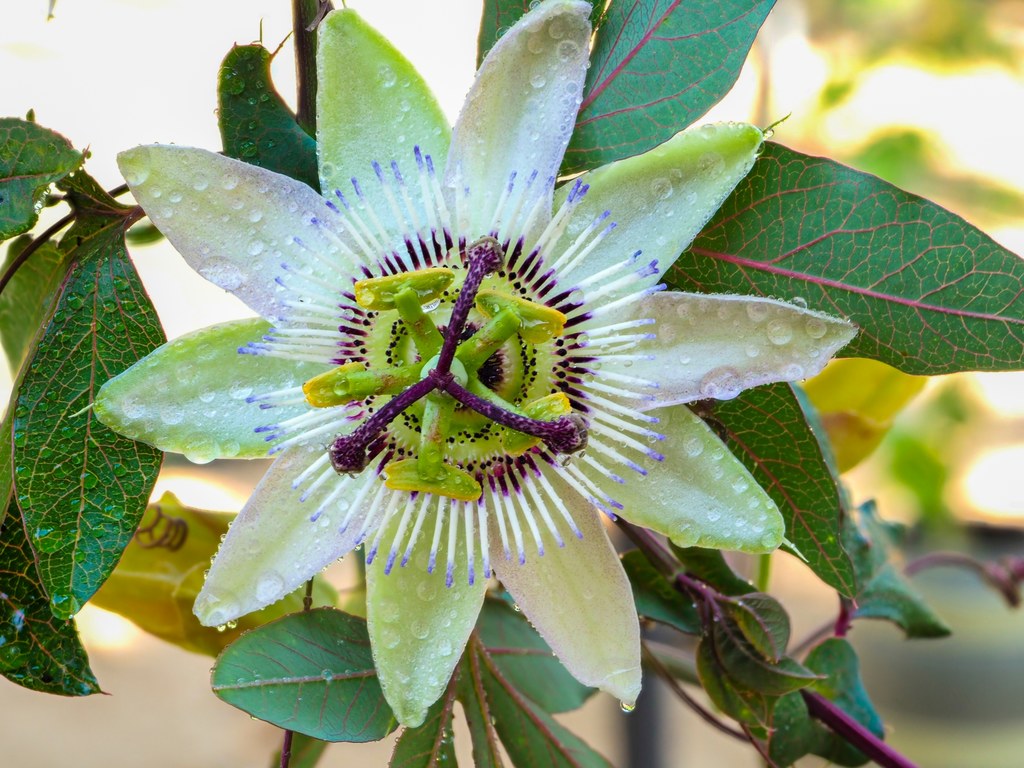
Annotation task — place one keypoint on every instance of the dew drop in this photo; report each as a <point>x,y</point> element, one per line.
<point>711,164</point>
<point>567,50</point>
<point>662,188</point>
<point>269,586</point>
<point>627,708</point>
<point>224,274</point>
<point>779,332</point>
<point>387,76</point>
<point>229,183</point>
<point>419,629</point>
<point>722,383</point>
<point>693,447</point>
<point>799,301</point>
<point>815,327</point>
<point>757,311</point>
<point>538,80</point>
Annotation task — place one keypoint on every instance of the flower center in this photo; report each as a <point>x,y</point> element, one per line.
<point>454,374</point>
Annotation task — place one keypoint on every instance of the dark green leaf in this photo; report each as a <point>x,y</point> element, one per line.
<point>255,124</point>
<point>750,707</point>
<point>306,752</point>
<point>31,159</point>
<point>763,622</point>
<point>532,738</point>
<point>499,16</point>
<point>655,596</point>
<point>767,430</point>
<point>748,671</point>
<point>28,299</point>
<point>81,487</point>
<point>309,672</point>
<point>431,744</point>
<point>709,566</point>
<point>796,733</point>
<point>656,66</point>
<point>526,661</point>
<point>486,752</point>
<point>37,651</point>
<point>836,658</point>
<point>885,593</point>
<point>930,293</point>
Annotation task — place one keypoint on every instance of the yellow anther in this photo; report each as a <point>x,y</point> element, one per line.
<point>352,381</point>
<point>538,322</point>
<point>378,293</point>
<point>547,408</point>
<point>446,480</point>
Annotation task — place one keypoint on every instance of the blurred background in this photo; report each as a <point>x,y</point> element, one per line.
<point>928,94</point>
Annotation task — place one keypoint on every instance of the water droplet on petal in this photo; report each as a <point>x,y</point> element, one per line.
<point>627,708</point>
<point>269,586</point>
<point>779,332</point>
<point>815,327</point>
<point>722,383</point>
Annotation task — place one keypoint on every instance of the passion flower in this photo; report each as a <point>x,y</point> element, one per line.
<point>462,368</point>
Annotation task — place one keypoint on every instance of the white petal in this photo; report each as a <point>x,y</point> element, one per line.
<point>418,626</point>
<point>715,346</point>
<point>579,599</point>
<point>699,494</point>
<point>372,107</point>
<point>520,112</point>
<point>274,546</point>
<point>235,223</point>
<point>661,199</point>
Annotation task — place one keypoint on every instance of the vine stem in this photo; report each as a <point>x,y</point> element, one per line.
<point>306,15</point>
<point>286,745</point>
<point>818,706</point>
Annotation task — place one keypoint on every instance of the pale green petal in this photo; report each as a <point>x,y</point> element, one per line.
<point>372,107</point>
<point>715,346</point>
<point>661,199</point>
<point>520,113</point>
<point>700,494</point>
<point>418,626</point>
<point>190,395</point>
<point>579,599</point>
<point>235,223</point>
<point>275,544</point>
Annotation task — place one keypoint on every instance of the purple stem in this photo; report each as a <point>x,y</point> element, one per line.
<point>484,256</point>
<point>855,733</point>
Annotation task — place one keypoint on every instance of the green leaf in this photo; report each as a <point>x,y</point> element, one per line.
<point>161,572</point>
<point>31,159</point>
<point>763,622</point>
<point>255,124</point>
<point>749,671</point>
<point>81,487</point>
<point>306,752</point>
<point>309,672</point>
<point>431,744</point>
<point>37,651</point>
<point>885,593</point>
<point>525,660</point>
<point>709,566</point>
<point>499,16</point>
<point>532,738</point>
<point>931,293</point>
<point>796,733</point>
<point>767,430</point>
<point>655,596</point>
<point>657,66</point>
<point>744,705</point>
<point>486,750</point>
<point>28,299</point>
<point>836,658</point>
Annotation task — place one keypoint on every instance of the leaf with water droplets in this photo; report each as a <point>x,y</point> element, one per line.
<point>499,16</point>
<point>657,66</point>
<point>310,672</point>
<point>28,299</point>
<point>255,124</point>
<point>768,432</point>
<point>81,487</point>
<point>31,159</point>
<point>432,743</point>
<point>930,293</point>
<point>37,651</point>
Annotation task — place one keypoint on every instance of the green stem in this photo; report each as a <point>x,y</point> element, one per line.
<point>764,572</point>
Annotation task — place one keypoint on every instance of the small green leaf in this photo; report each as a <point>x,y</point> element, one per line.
<point>836,659</point>
<point>655,596</point>
<point>471,694</point>
<point>885,593</point>
<point>81,487</point>
<point>749,671</point>
<point>31,159</point>
<point>532,738</point>
<point>767,430</point>
<point>28,299</point>
<point>657,66</point>
<point>309,672</point>
<point>37,651</point>
<point>526,661</point>
<point>161,572</point>
<point>930,293</point>
<point>255,124</point>
<point>796,732</point>
<point>744,705</point>
<point>431,744</point>
<point>763,622</point>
